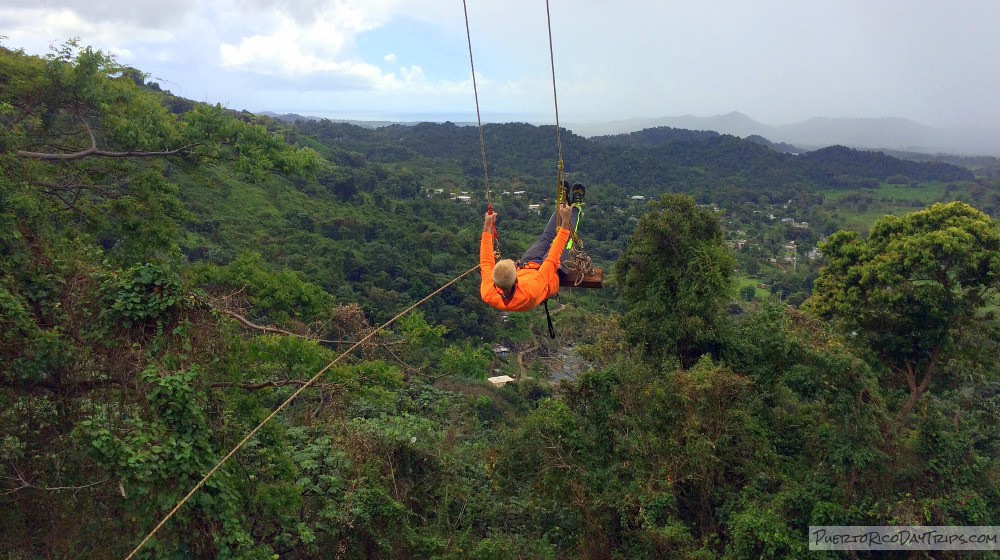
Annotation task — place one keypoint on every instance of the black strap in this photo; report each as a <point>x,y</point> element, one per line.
<point>552,330</point>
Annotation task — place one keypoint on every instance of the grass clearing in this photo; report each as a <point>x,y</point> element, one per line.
<point>760,293</point>
<point>925,193</point>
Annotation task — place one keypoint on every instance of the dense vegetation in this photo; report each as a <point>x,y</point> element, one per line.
<point>172,271</point>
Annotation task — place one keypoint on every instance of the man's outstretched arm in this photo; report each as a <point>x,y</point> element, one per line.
<point>486,258</point>
<point>489,223</point>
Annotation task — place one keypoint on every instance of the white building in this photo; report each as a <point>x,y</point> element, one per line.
<point>500,380</point>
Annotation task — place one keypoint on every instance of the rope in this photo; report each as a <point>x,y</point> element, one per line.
<point>479,120</point>
<point>552,330</point>
<point>582,262</point>
<point>284,404</point>
<point>555,98</point>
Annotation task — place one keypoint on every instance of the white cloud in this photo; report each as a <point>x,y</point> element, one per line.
<point>121,53</point>
<point>143,14</point>
<point>778,62</point>
<point>314,43</point>
<point>36,26</point>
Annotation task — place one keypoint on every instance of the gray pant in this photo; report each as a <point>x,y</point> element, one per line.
<point>540,250</point>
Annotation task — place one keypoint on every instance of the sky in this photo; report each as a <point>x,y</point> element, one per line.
<point>778,62</point>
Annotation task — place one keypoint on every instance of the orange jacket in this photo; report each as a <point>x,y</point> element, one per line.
<point>533,286</point>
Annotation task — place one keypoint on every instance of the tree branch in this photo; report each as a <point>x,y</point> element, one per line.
<point>911,377</point>
<point>90,131</point>
<point>70,388</point>
<point>25,484</point>
<point>926,381</point>
<point>92,151</point>
<point>266,329</point>
<point>52,188</point>
<point>265,384</point>
<point>916,391</point>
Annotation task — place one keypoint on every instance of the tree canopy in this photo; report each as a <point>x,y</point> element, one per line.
<point>916,289</point>
<point>676,277</point>
<point>80,129</point>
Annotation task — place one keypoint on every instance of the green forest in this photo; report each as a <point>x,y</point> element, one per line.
<point>783,340</point>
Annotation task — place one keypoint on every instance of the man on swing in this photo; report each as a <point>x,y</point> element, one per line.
<point>511,286</point>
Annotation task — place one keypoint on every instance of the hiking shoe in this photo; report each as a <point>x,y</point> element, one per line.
<point>576,198</point>
<point>563,192</point>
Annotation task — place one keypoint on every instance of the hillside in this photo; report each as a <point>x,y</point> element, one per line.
<point>173,272</point>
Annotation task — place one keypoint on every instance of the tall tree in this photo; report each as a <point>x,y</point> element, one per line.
<point>677,278</point>
<point>103,383</point>
<point>81,130</point>
<point>916,291</point>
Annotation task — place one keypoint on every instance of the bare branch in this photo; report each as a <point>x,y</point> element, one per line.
<point>70,205</point>
<point>25,484</point>
<point>51,188</point>
<point>90,131</point>
<point>41,156</point>
<point>267,329</point>
<point>265,384</point>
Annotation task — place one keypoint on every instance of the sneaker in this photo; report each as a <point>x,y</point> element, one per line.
<point>563,193</point>
<point>576,199</point>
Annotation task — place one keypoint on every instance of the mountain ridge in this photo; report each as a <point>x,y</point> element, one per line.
<point>863,133</point>
<point>881,133</point>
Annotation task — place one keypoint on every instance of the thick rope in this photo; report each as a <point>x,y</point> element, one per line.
<point>475,91</point>
<point>581,260</point>
<point>284,404</point>
<point>479,120</point>
<point>582,264</point>
<point>555,98</point>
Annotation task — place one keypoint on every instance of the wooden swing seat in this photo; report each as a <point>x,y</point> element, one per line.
<point>594,279</point>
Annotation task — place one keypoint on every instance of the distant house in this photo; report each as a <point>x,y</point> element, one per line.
<point>519,194</point>
<point>535,207</point>
<point>501,351</point>
<point>638,197</point>
<point>500,380</point>
<point>788,220</point>
<point>463,198</point>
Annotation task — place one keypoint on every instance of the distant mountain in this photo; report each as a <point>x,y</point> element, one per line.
<point>662,134</point>
<point>292,118</point>
<point>878,134</point>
